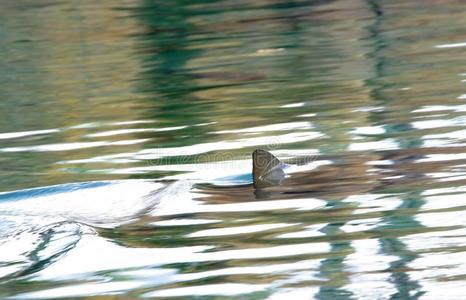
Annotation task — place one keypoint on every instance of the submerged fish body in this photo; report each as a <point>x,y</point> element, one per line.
<point>305,176</point>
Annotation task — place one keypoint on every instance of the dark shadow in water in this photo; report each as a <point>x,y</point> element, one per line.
<point>37,261</point>
<point>333,268</point>
<point>397,221</point>
<point>407,288</point>
<point>166,82</point>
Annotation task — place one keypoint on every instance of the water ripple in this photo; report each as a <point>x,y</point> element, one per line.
<point>126,133</point>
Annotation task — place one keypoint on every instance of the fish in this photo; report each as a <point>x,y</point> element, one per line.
<point>325,177</point>
<point>267,170</point>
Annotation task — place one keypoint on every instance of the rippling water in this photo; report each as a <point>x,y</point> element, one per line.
<point>126,130</point>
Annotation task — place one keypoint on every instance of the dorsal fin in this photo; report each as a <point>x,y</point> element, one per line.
<point>267,170</point>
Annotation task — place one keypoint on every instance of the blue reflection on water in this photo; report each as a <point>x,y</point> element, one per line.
<point>50,190</point>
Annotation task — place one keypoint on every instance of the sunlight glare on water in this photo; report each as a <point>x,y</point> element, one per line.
<point>126,133</point>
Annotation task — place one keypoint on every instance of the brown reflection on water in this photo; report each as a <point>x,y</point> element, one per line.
<point>72,68</point>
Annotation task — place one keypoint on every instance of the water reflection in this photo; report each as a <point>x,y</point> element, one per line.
<point>366,96</point>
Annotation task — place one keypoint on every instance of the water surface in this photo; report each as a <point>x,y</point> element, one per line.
<point>126,131</point>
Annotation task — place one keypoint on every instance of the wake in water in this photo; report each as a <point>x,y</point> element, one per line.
<point>39,225</point>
